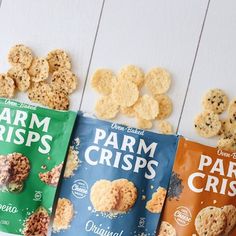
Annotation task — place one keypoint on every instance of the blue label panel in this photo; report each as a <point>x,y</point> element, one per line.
<point>109,151</point>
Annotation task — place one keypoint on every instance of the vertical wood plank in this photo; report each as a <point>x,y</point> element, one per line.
<point>161,33</point>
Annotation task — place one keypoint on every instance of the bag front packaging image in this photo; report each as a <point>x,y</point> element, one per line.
<point>33,145</point>
<point>202,192</point>
<point>115,180</point>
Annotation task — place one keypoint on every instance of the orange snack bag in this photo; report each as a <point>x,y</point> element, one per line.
<point>202,193</point>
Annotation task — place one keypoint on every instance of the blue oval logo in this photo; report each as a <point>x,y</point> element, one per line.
<point>80,189</point>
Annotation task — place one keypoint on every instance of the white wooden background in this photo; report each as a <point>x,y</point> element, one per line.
<point>194,39</point>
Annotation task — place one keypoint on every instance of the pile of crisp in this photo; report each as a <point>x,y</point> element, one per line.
<point>48,81</point>
<point>209,123</point>
<point>122,93</point>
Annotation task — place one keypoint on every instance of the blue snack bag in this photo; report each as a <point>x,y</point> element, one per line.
<point>115,180</point>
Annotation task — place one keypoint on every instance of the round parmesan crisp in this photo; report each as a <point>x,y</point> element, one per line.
<point>127,194</point>
<point>207,124</point>
<point>20,167</point>
<point>133,74</point>
<point>166,229</point>
<point>64,79</point>
<point>7,86</point>
<point>165,106</point>
<point>227,144</point>
<point>58,59</point>
<point>232,111</point>
<point>106,108</point>
<point>230,212</point>
<point>164,127</point>
<point>21,78</point>
<point>210,221</point>
<point>63,215</point>
<point>125,93</point>
<point>215,100</point>
<point>39,70</point>
<point>104,195</point>
<point>158,81</point>
<point>72,163</point>
<point>144,124</point>
<point>57,99</point>
<point>147,107</point>
<point>38,92</point>
<point>20,55</point>
<point>103,81</point>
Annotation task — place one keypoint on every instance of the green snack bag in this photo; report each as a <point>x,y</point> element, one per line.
<point>33,145</point>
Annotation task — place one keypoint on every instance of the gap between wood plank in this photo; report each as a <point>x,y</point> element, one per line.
<point>91,57</point>
<point>192,68</point>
